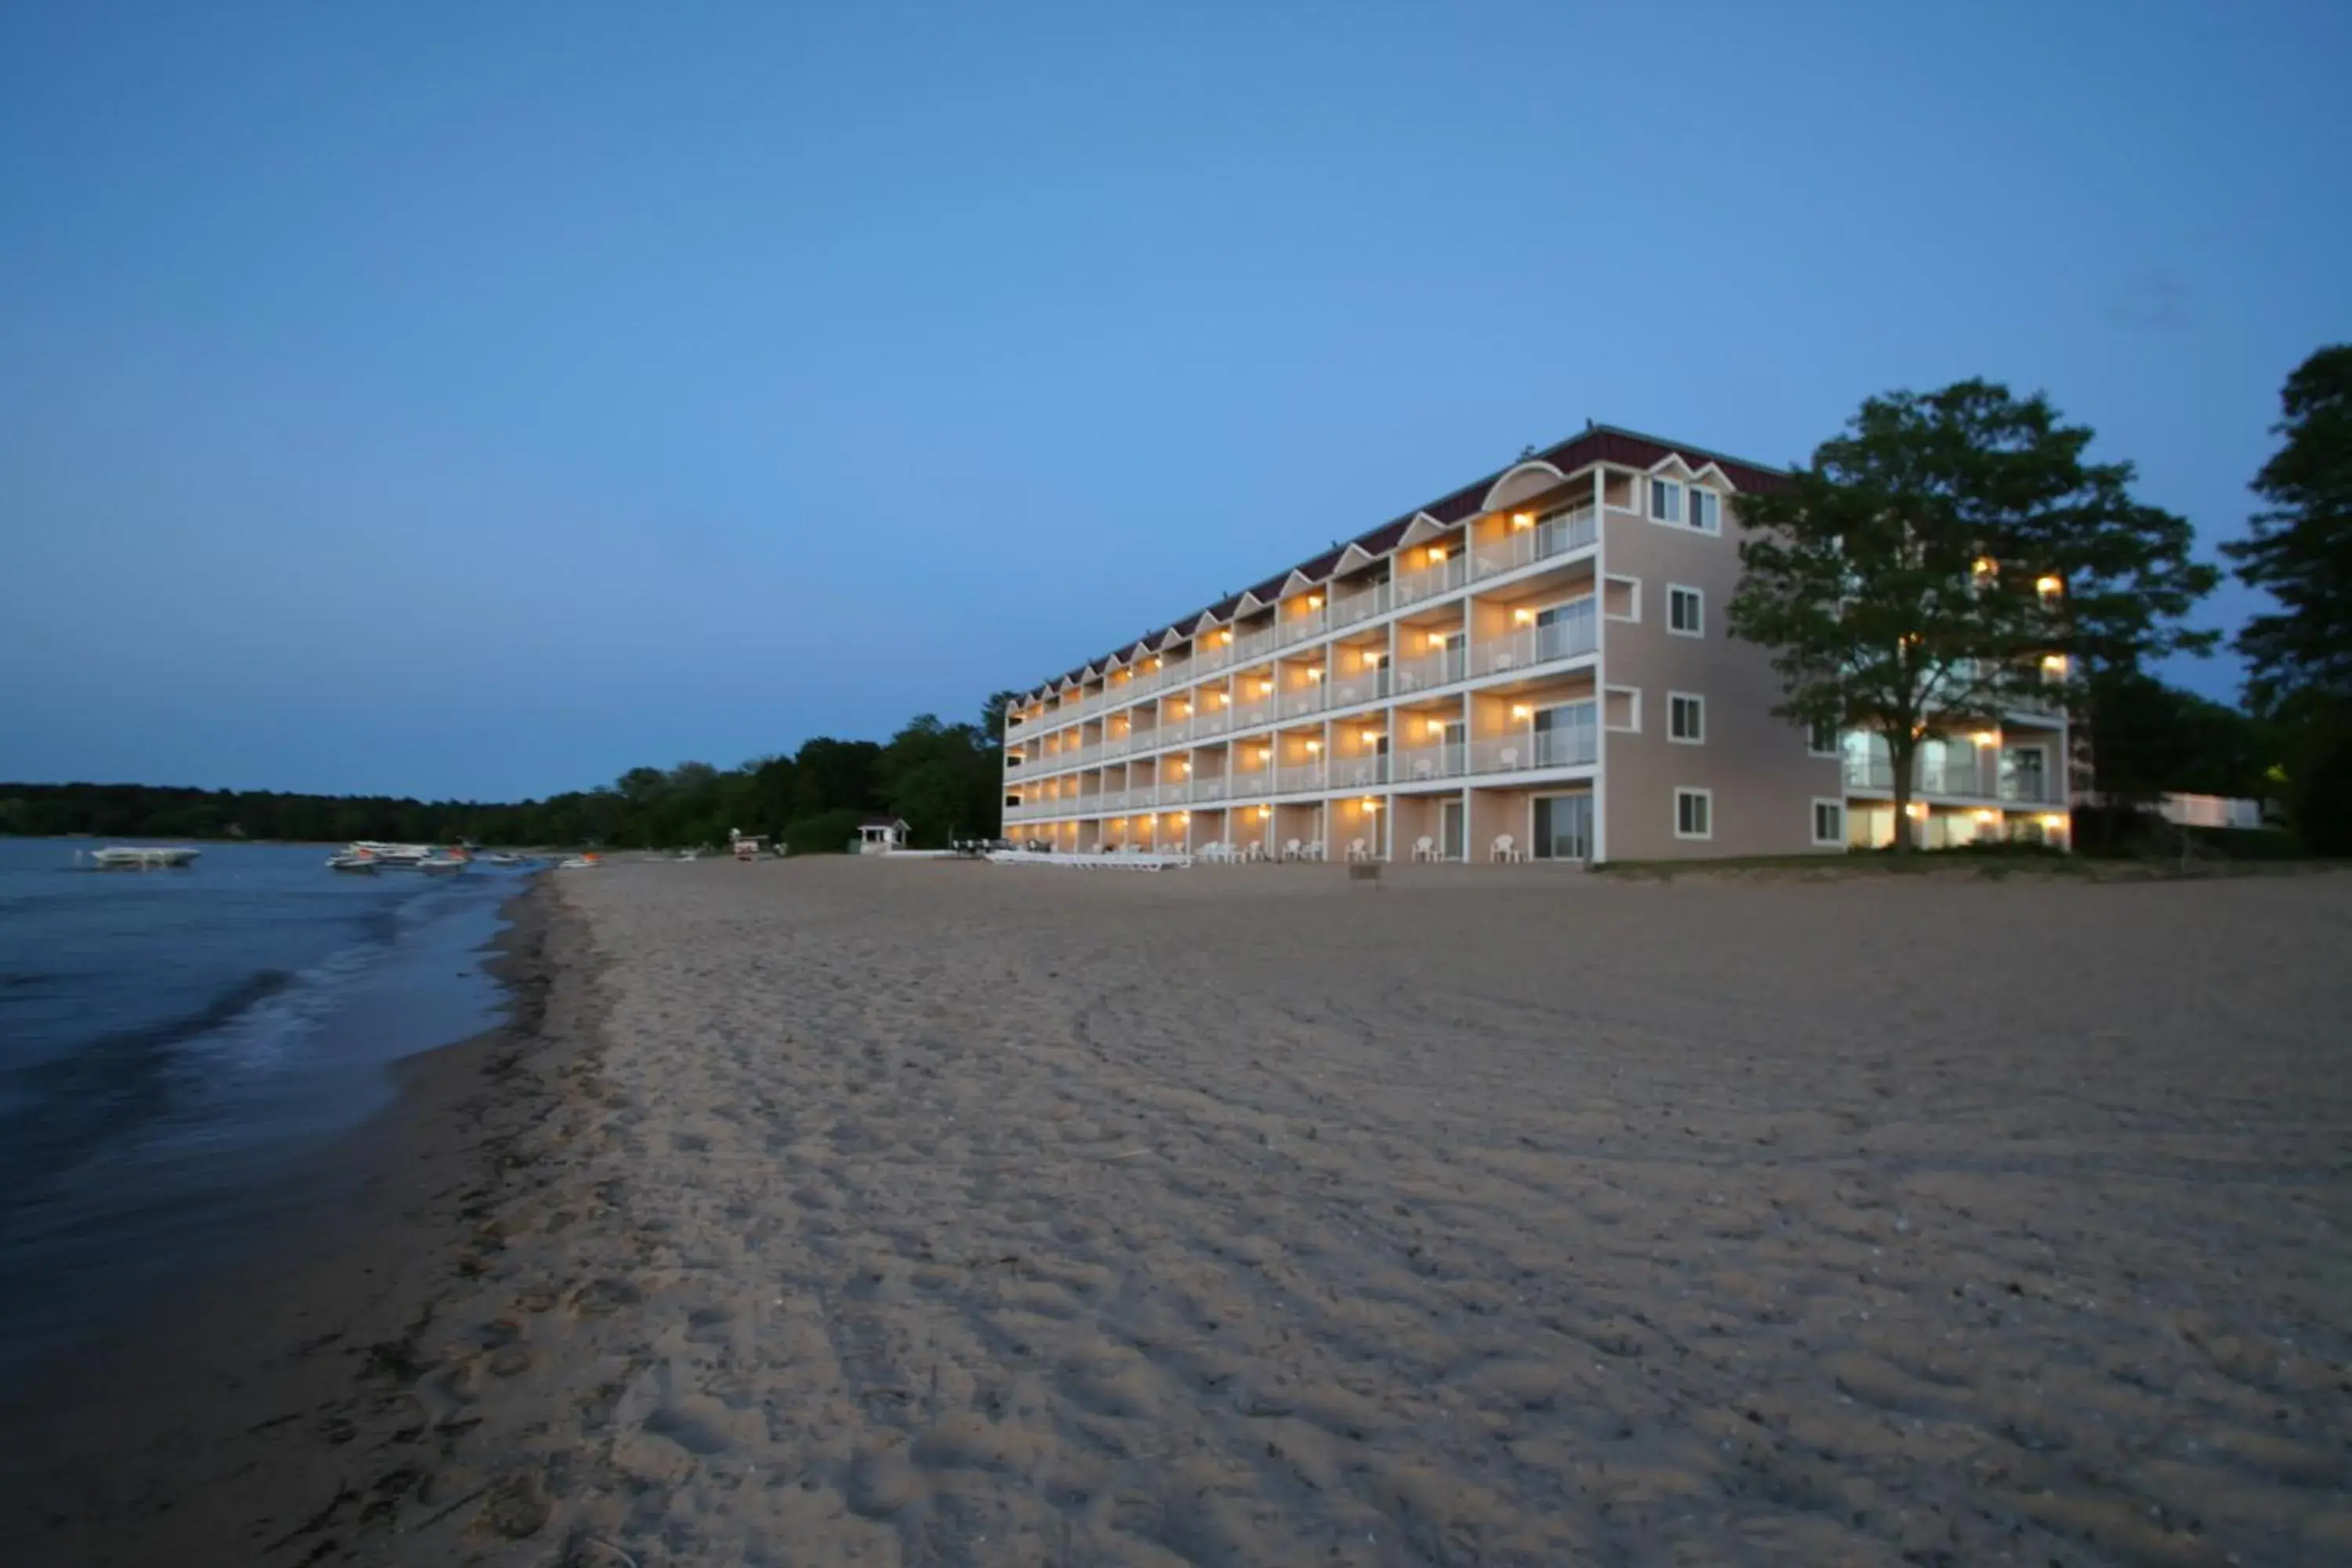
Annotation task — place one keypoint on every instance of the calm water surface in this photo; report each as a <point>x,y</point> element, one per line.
<point>170,1041</point>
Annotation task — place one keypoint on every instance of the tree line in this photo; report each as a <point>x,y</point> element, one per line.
<point>1955,555</point>
<point>946,780</point>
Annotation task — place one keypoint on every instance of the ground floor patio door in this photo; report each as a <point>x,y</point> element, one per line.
<point>1449,829</point>
<point>1563,827</point>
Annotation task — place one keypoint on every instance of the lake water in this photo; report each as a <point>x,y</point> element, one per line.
<point>171,1042</point>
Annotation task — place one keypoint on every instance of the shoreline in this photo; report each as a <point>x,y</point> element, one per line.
<point>223,1422</point>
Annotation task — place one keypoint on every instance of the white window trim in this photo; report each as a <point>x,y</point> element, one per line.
<point>1837,742</point>
<point>1814,825</point>
<point>1632,691</point>
<point>1633,583</point>
<point>1690,512</point>
<point>1699,699</point>
<point>1650,501</point>
<point>1699,594</point>
<point>1705,794</point>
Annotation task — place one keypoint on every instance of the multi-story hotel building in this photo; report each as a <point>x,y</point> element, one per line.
<point>1535,665</point>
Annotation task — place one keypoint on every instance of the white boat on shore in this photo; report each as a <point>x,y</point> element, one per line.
<point>393,854</point>
<point>353,860</point>
<point>134,857</point>
<point>434,865</point>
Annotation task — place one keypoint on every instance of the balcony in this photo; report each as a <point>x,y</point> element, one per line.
<point>1179,793</point>
<point>1573,745</point>
<point>1420,765</point>
<point>1430,579</point>
<point>1359,772</point>
<point>1291,777</point>
<point>1368,685</point>
<point>1118,745</point>
<point>1215,721</point>
<point>1212,657</point>
<point>1246,714</point>
<point>1555,535</point>
<point>1208,789</point>
<point>1293,629</point>
<point>1574,634</point>
<point>1304,700</point>
<point>1431,670</point>
<point>1347,609</point>
<point>1969,779</point>
<point>1256,644</point>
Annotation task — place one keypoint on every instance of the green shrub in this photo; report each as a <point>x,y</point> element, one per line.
<point>826,833</point>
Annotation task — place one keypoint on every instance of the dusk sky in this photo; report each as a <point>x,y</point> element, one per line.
<point>482,400</point>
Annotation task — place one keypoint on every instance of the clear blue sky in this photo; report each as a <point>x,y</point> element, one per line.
<point>480,400</point>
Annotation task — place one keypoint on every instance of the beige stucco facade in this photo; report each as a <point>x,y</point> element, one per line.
<point>1537,667</point>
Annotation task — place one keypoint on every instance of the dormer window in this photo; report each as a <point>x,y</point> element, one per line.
<point>1665,500</point>
<point>1705,510</point>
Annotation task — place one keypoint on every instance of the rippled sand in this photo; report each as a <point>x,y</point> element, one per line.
<point>944,1214</point>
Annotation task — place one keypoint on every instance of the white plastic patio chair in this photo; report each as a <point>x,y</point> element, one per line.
<point>1505,849</point>
<point>1424,847</point>
<point>1359,850</point>
<point>1290,849</point>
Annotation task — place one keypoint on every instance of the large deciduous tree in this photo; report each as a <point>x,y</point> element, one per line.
<point>1951,557</point>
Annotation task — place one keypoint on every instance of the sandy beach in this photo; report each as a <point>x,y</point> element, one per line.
<point>931,1214</point>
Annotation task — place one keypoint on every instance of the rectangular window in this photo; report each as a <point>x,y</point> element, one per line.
<point>1685,718</point>
<point>1821,739</point>
<point>1705,513</point>
<point>1693,814</point>
<point>1665,500</point>
<point>1829,822</point>
<point>1685,611</point>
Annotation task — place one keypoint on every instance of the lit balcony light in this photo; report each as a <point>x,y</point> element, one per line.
<point>1314,601</point>
<point>2053,820</point>
<point>1985,566</point>
<point>1314,745</point>
<point>1437,639</point>
<point>1265,688</point>
<point>1316,673</point>
<point>1986,737</point>
<point>1437,726</point>
<point>1155,664</point>
<point>1524,617</point>
<point>1436,554</point>
<point>1367,736</point>
<point>2050,587</point>
<point>1917,809</point>
<point>2055,666</point>
<point>1370,805</point>
<point>1226,636</point>
<point>1988,816</point>
<point>1520,710</point>
<point>1523,520</point>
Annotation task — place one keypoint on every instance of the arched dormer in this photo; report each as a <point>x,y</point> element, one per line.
<point>1521,482</point>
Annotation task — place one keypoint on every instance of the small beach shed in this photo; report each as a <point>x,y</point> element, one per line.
<point>881,835</point>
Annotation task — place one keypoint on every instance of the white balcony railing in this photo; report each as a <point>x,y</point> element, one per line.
<point>1427,671</point>
<point>1246,714</point>
<point>1368,685</point>
<point>1555,535</point>
<point>1298,628</point>
<point>1359,772</point>
<point>1968,778</point>
<point>1304,700</point>
<point>1417,764</point>
<point>1574,634</point>
<point>1254,643</point>
<point>1429,578</point>
<point>1215,721</point>
<point>1214,656</point>
<point>1208,789</point>
<point>1294,776</point>
<point>1347,609</point>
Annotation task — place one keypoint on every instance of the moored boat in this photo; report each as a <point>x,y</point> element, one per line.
<point>440,864</point>
<point>134,857</point>
<point>353,860</point>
